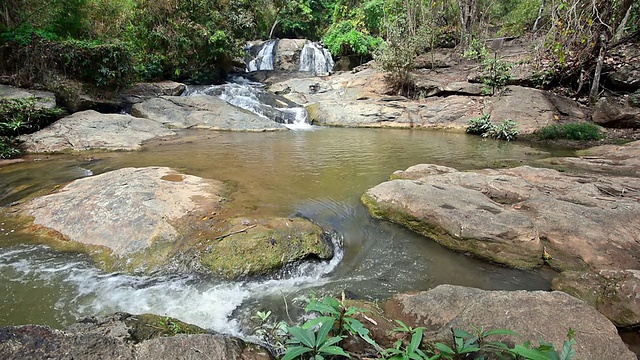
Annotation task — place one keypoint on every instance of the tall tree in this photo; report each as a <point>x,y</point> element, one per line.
<point>468,16</point>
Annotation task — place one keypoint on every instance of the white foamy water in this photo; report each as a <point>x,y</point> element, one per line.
<point>82,290</point>
<point>247,95</point>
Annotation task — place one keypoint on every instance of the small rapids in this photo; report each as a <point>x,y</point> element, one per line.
<point>250,96</point>
<point>70,285</point>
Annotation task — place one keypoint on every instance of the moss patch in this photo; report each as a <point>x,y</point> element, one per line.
<point>262,246</point>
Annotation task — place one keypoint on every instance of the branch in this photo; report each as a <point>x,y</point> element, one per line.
<point>234,232</point>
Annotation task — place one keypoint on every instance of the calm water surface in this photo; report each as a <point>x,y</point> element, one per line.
<point>319,174</point>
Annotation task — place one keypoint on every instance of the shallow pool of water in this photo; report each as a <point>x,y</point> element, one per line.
<point>319,174</point>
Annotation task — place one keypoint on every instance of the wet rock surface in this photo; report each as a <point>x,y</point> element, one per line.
<point>44,99</point>
<point>202,112</point>
<point>154,219</point>
<point>87,130</point>
<point>123,336</point>
<point>518,217</point>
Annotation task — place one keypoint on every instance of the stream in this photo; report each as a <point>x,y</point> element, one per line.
<point>318,173</point>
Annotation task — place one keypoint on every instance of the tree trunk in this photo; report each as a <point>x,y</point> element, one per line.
<point>540,11</point>
<point>595,85</point>
<point>468,10</point>
<point>623,24</point>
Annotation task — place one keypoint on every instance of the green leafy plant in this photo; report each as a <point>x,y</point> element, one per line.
<point>171,327</point>
<point>342,317</point>
<point>497,74</point>
<point>272,334</point>
<point>507,130</point>
<point>479,126</point>
<point>571,131</point>
<point>546,351</point>
<point>314,344</point>
<point>410,351</point>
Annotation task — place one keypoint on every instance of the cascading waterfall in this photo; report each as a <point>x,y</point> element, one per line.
<point>250,96</point>
<point>314,58</point>
<point>265,58</point>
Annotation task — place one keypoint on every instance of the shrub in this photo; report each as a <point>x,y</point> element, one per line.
<point>572,131</point>
<point>343,38</point>
<point>19,116</point>
<point>480,126</point>
<point>506,130</point>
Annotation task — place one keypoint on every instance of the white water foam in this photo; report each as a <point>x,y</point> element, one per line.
<point>83,290</point>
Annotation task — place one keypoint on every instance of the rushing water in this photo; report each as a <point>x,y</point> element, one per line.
<point>319,173</point>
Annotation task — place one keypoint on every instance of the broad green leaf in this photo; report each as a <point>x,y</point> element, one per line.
<point>530,354</point>
<point>317,321</point>
<point>501,332</point>
<point>416,338</point>
<point>321,308</point>
<point>323,332</point>
<point>332,340</point>
<point>462,334</point>
<point>567,352</point>
<point>444,348</point>
<point>294,352</point>
<point>333,350</point>
<point>468,350</point>
<point>306,337</point>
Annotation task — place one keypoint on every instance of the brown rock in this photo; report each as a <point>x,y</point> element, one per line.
<point>616,113</point>
<point>615,293</point>
<point>534,314</point>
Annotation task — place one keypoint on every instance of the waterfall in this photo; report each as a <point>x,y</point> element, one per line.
<point>250,96</point>
<point>314,58</point>
<point>265,58</point>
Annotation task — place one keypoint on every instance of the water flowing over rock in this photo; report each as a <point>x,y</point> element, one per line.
<point>89,129</point>
<point>289,55</point>
<point>519,217</point>
<point>124,336</point>
<point>142,220</point>
<point>251,96</point>
<point>316,59</point>
<point>202,112</point>
<point>532,314</point>
<point>264,60</point>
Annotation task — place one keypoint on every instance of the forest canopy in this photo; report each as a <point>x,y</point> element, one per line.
<point>112,42</point>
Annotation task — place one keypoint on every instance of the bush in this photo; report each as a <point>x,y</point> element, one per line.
<point>572,131</point>
<point>33,57</point>
<point>480,126</point>
<point>344,38</point>
<point>20,116</point>
<point>506,130</point>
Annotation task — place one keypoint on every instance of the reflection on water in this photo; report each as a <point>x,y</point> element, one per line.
<point>319,174</point>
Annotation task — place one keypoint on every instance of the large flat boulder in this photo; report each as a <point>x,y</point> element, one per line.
<point>616,113</point>
<point>361,100</point>
<point>202,112</point>
<point>533,108</point>
<point>140,92</point>
<point>518,217</point>
<point>532,314</point>
<point>123,336</point>
<point>143,220</point>
<point>87,130</point>
<point>615,293</point>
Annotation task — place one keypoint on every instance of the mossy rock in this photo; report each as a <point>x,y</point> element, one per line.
<point>259,247</point>
<point>148,326</point>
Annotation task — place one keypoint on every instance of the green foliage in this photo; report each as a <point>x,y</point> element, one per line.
<point>344,38</point>
<point>520,17</point>
<point>479,126</point>
<point>571,131</point>
<point>497,74</point>
<point>476,51</point>
<point>546,351</point>
<point>410,351</point>
<point>317,344</point>
<point>506,130</point>
<point>20,116</point>
<point>271,333</point>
